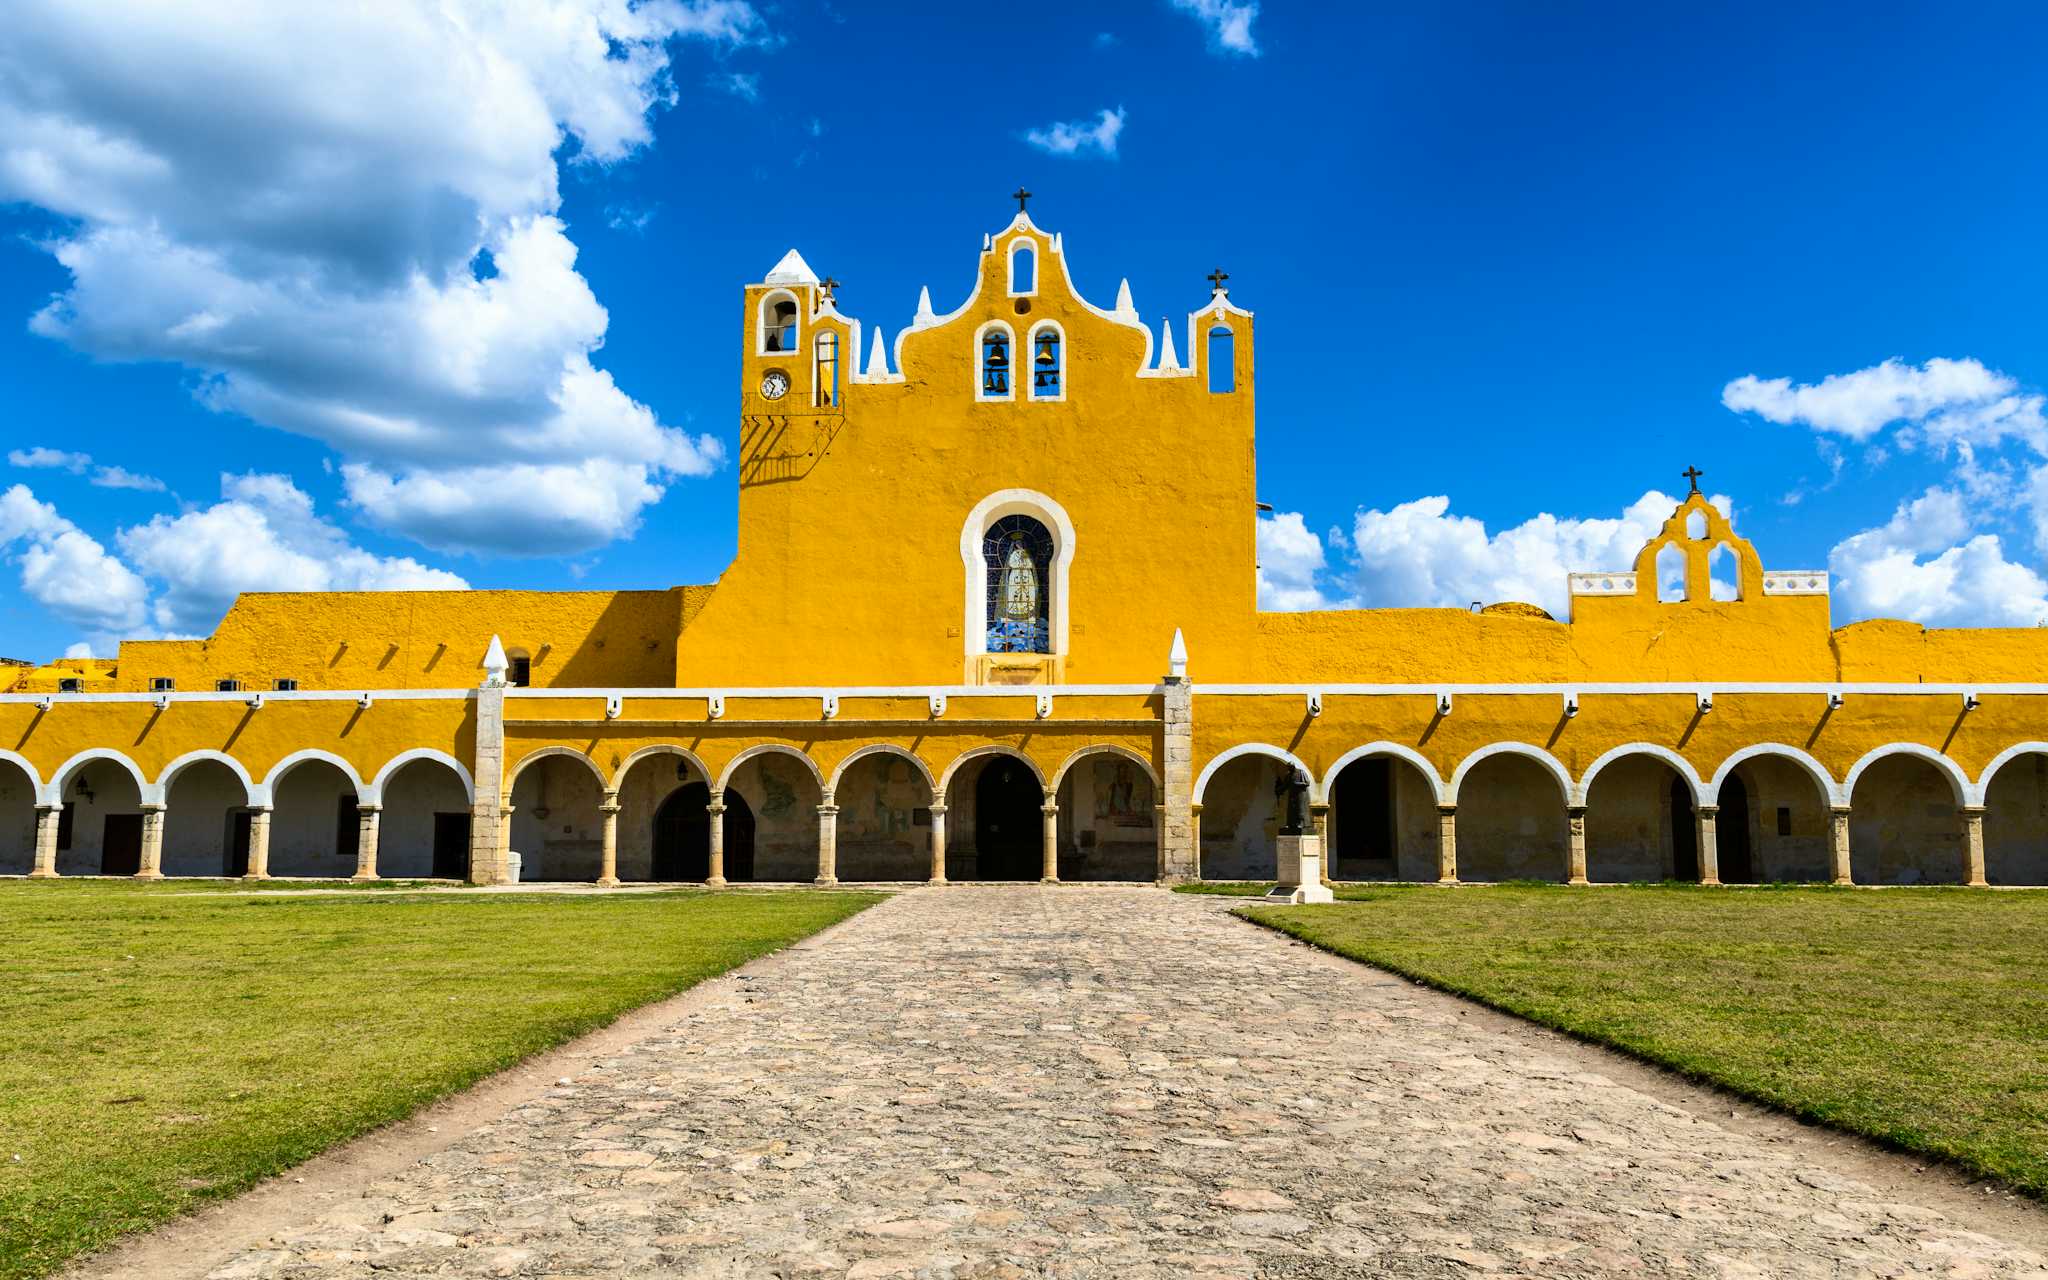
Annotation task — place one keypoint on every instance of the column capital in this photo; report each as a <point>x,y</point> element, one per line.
<point>1446,810</point>
<point>44,809</point>
<point>828,810</point>
<point>1838,810</point>
<point>936,810</point>
<point>148,809</point>
<point>367,808</point>
<point>1575,811</point>
<point>1050,808</point>
<point>611,795</point>
<point>610,806</point>
<point>505,810</point>
<point>1706,810</point>
<point>1971,810</point>
<point>255,809</point>
<point>714,807</point>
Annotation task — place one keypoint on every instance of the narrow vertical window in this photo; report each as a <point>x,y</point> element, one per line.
<point>1222,360</point>
<point>1671,573</point>
<point>1023,268</point>
<point>778,323</point>
<point>827,381</point>
<point>1048,365</point>
<point>995,364</point>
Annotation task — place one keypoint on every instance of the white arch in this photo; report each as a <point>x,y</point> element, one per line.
<point>1527,751</point>
<point>1997,762</point>
<point>35,780</point>
<point>1021,245</point>
<point>770,749</point>
<point>297,758</point>
<point>975,753</point>
<point>374,793</point>
<point>1832,792</point>
<point>250,787</point>
<point>53,790</point>
<point>768,299</point>
<point>1958,781</point>
<point>543,753</point>
<point>1059,775</point>
<point>659,749</point>
<point>1398,752</point>
<point>1255,749</point>
<point>1013,502</point>
<point>1010,337</point>
<point>887,749</point>
<point>1651,749</point>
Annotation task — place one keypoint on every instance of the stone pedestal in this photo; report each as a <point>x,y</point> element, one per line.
<point>1301,872</point>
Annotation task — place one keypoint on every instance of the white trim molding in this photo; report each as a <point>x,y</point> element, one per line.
<point>771,749</point>
<point>661,749</point>
<point>1678,762</point>
<point>1999,761</point>
<point>35,779</point>
<point>976,753</point>
<point>53,789</point>
<point>257,794</point>
<point>1266,749</point>
<point>1059,775</point>
<point>1566,792</point>
<point>1831,791</point>
<point>535,756</point>
<point>375,791</point>
<point>890,749</point>
<point>295,759</point>
<point>1964,791</point>
<point>1387,751</point>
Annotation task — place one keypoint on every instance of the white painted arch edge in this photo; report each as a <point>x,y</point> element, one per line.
<point>1960,786</point>
<point>257,794</point>
<point>374,793</point>
<point>1012,502</point>
<point>35,779</point>
<point>1833,792</point>
<point>1667,755</point>
<point>53,790</point>
<point>1392,750</point>
<point>954,766</point>
<point>295,759</point>
<point>890,749</point>
<point>1528,751</point>
<point>2003,758</point>
<point>1059,775</point>
<point>771,749</point>
<point>618,781</point>
<point>1255,749</point>
<point>543,753</point>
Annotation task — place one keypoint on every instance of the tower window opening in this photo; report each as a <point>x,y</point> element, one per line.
<point>1016,556</point>
<point>1671,573</point>
<point>519,671</point>
<point>995,364</point>
<point>1222,360</point>
<point>1048,365</point>
<point>1024,268</point>
<point>827,381</point>
<point>778,324</point>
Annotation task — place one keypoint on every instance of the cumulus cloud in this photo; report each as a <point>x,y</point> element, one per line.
<point>740,84</point>
<point>1229,24</point>
<point>1924,565</point>
<point>66,570</point>
<point>262,536</point>
<point>1291,562</point>
<point>40,458</point>
<point>365,250</point>
<point>123,478</point>
<point>1948,401</point>
<point>1076,137</point>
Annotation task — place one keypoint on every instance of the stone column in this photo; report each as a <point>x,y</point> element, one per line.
<point>1319,818</point>
<point>608,868</point>
<point>1180,838</point>
<point>1159,842</point>
<point>938,875</point>
<point>715,874</point>
<point>48,816</point>
<point>1973,845</point>
<point>259,844</point>
<point>1838,845</point>
<point>828,841</point>
<point>505,812</point>
<point>1447,844</point>
<point>489,832</point>
<point>1708,843</point>
<point>1049,871</point>
<point>366,841</point>
<point>1575,856</point>
<point>152,843</point>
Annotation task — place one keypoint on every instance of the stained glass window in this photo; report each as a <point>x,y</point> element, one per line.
<point>1017,558</point>
<point>995,364</point>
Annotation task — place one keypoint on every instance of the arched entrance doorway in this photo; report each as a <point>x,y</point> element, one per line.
<point>682,835</point>
<point>1008,821</point>
<point>1731,834</point>
<point>1685,832</point>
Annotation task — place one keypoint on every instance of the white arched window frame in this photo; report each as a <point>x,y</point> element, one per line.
<point>825,365</point>
<point>764,324</point>
<point>1013,502</point>
<point>1023,247</point>
<point>1031,360</point>
<point>981,371</point>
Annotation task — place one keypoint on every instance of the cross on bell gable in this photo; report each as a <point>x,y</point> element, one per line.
<point>1020,195</point>
<point>1693,475</point>
<point>1216,279</point>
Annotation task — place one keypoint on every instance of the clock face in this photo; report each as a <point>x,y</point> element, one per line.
<point>774,385</point>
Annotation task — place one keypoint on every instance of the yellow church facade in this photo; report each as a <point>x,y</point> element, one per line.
<point>954,644</point>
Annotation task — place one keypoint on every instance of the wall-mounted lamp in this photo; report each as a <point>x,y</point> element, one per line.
<point>82,791</point>
<point>1705,701</point>
<point>717,708</point>
<point>829,704</point>
<point>254,703</point>
<point>613,705</point>
<point>1835,699</point>
<point>1571,705</point>
<point>1971,701</point>
<point>363,702</point>
<point>938,705</point>
<point>1443,704</point>
<point>1315,705</point>
<point>1044,705</point>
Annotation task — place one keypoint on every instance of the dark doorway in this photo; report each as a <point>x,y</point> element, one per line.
<point>238,844</point>
<point>1009,822</point>
<point>451,846</point>
<point>1362,810</point>
<point>1731,833</point>
<point>1685,836</point>
<point>121,845</point>
<point>682,836</point>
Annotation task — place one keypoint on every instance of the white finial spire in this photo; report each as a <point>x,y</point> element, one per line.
<point>1168,357</point>
<point>792,270</point>
<point>878,366</point>
<point>925,314</point>
<point>1124,305</point>
<point>1177,657</point>
<point>495,665</point>
<point>987,242</point>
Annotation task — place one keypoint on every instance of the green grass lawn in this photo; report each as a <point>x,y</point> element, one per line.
<point>1918,1017</point>
<point>164,1048</point>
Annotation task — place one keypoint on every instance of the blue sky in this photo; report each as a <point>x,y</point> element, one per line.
<point>295,300</point>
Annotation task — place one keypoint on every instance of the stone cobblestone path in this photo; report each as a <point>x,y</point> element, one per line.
<point>1019,1081</point>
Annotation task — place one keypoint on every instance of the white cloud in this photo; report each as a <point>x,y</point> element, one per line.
<point>66,570</point>
<point>364,250</point>
<point>740,84</point>
<point>1418,554</point>
<point>1230,25</point>
<point>1076,136</point>
<point>123,478</point>
<point>40,457</point>
<point>1290,562</point>
<point>262,536</point>
<point>1946,401</point>
<point>1923,566</point>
